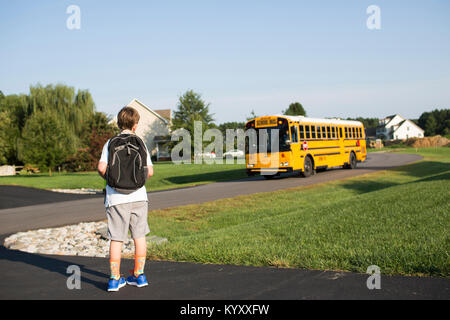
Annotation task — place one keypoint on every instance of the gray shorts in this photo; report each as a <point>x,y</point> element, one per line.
<point>132,216</point>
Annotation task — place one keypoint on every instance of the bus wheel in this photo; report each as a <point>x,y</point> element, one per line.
<point>352,161</point>
<point>307,167</point>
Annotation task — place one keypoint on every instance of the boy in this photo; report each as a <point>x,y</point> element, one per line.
<point>126,211</point>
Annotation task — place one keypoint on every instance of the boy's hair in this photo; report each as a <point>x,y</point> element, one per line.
<point>127,118</point>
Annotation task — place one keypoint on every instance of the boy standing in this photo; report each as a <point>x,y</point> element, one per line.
<point>126,209</point>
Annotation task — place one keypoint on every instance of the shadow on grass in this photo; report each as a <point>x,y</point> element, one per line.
<point>424,168</point>
<point>423,171</point>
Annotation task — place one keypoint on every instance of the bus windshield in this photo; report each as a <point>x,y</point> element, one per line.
<point>267,140</point>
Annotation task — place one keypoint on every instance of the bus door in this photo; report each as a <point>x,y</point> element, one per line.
<point>295,147</point>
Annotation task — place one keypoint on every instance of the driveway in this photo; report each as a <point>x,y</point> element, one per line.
<point>35,276</point>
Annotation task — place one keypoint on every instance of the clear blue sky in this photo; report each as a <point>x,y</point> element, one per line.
<point>240,55</point>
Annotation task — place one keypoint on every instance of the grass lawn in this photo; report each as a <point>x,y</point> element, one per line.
<point>166,176</point>
<point>397,219</point>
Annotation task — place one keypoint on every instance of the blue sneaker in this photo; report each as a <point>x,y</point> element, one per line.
<point>140,281</point>
<point>115,285</point>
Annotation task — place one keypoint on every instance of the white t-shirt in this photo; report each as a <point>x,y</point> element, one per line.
<point>112,196</point>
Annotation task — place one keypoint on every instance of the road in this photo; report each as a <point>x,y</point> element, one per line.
<point>53,212</point>
<point>34,276</point>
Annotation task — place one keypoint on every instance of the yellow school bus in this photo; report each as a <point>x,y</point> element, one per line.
<point>302,144</point>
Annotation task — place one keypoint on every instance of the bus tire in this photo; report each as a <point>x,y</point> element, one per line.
<point>308,168</point>
<point>351,161</point>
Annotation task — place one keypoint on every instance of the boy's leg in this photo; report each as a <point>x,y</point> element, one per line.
<point>139,229</point>
<point>115,252</point>
<point>140,245</point>
<point>118,223</point>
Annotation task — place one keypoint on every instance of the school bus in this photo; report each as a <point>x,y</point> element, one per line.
<point>304,145</point>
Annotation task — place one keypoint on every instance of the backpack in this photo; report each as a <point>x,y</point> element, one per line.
<point>127,162</point>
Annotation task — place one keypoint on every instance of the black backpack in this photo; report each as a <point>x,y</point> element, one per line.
<point>127,162</point>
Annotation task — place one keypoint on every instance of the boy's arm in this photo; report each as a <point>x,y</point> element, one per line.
<point>149,167</point>
<point>149,171</point>
<point>103,162</point>
<point>101,168</point>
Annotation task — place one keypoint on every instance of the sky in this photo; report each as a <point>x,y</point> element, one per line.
<point>239,55</point>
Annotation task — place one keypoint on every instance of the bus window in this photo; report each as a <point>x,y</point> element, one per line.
<point>302,132</point>
<point>308,132</point>
<point>319,136</point>
<point>340,132</point>
<point>294,134</point>
<point>353,133</point>
<point>360,132</point>
<point>313,132</point>
<point>333,132</point>
<point>324,133</point>
<point>329,132</point>
<point>346,133</point>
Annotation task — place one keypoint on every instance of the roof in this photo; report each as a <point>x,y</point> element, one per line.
<point>165,113</point>
<point>152,111</point>
<point>412,122</point>
<point>390,117</point>
<point>321,120</point>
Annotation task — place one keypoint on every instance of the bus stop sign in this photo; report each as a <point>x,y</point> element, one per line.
<point>305,145</point>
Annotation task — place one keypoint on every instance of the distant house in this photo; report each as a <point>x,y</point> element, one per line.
<point>153,128</point>
<point>396,127</point>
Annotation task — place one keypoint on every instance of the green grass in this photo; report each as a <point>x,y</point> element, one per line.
<point>166,176</point>
<point>396,219</point>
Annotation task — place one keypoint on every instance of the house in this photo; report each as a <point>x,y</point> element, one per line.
<point>396,127</point>
<point>153,128</point>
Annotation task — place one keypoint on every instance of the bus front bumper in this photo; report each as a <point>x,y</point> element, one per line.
<point>267,171</point>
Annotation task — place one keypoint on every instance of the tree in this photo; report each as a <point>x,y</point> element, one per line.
<point>74,109</point>
<point>252,115</point>
<point>8,135</point>
<point>230,125</point>
<point>295,109</point>
<point>46,140</point>
<point>14,110</point>
<point>367,122</point>
<point>191,108</point>
<point>98,132</point>
<point>435,122</point>
<point>430,126</point>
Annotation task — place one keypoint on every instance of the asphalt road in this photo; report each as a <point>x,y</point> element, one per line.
<point>51,212</point>
<point>34,276</point>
